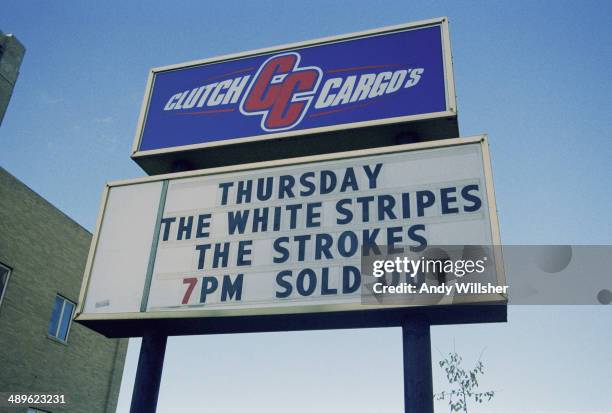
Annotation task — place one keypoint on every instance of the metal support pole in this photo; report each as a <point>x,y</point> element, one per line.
<point>418,385</point>
<point>148,374</point>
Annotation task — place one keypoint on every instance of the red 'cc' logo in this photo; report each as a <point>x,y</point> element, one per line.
<point>281,92</point>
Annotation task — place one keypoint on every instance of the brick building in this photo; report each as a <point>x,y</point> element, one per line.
<point>42,258</point>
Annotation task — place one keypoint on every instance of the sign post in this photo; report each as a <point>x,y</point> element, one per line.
<point>204,255</point>
<point>418,384</point>
<point>148,373</point>
<point>292,166</point>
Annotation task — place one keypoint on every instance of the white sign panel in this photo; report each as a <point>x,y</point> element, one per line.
<point>283,236</point>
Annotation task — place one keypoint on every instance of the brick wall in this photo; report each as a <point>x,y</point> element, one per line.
<point>47,252</point>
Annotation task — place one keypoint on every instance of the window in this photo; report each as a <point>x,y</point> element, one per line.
<point>33,410</point>
<point>5,272</point>
<point>59,326</point>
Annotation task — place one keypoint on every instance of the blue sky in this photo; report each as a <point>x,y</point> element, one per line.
<point>533,75</point>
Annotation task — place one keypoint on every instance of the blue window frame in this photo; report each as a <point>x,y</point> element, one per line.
<point>61,317</point>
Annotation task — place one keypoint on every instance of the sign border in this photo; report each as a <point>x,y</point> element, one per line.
<point>449,85</point>
<point>309,309</point>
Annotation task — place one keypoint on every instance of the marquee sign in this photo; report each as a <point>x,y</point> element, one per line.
<point>391,75</point>
<point>281,237</point>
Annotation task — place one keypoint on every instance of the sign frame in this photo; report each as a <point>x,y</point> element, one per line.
<point>144,157</point>
<point>486,308</point>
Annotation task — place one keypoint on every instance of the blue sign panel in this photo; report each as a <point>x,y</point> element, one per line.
<point>390,76</point>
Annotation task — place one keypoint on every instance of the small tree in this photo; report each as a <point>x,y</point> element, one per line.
<point>463,384</point>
